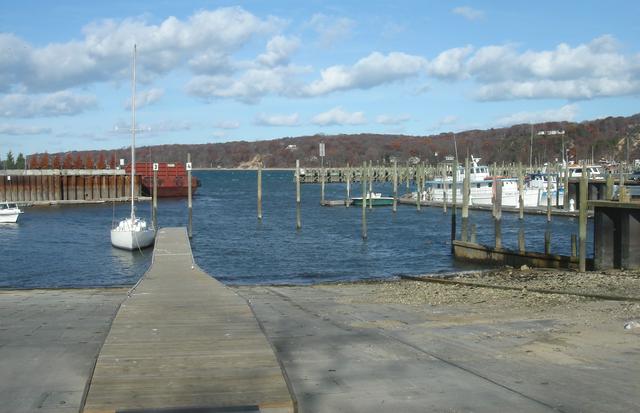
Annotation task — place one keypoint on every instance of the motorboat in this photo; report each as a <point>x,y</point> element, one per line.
<point>133,233</point>
<point>373,199</point>
<point>9,213</point>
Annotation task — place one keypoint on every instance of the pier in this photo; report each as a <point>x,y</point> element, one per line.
<point>51,186</point>
<point>184,341</point>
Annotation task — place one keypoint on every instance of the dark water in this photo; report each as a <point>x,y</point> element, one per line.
<point>70,246</point>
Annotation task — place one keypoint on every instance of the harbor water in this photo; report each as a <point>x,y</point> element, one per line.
<point>69,246</point>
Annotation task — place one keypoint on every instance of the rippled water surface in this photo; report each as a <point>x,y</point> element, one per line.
<point>70,246</point>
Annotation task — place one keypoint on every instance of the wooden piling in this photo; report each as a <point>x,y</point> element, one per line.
<point>582,221</point>
<point>574,245</point>
<point>395,186</point>
<point>154,208</point>
<point>418,188</point>
<point>520,192</point>
<point>465,199</point>
<point>347,201</point>
<point>498,213</point>
<point>609,190</point>
<point>548,194</point>
<point>444,191</point>
<point>189,199</point>
<point>547,242</point>
<point>565,188</point>
<point>323,176</point>
<point>370,194</point>
<point>364,203</point>
<point>260,192</point>
<point>474,230</point>
<point>521,243</point>
<point>454,196</point>
<point>298,219</point>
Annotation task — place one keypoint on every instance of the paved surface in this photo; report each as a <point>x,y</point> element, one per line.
<point>344,354</point>
<point>183,340</point>
<point>49,342</point>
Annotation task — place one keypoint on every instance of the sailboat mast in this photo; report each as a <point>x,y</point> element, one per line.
<point>133,132</point>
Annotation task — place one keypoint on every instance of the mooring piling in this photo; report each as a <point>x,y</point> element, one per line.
<point>521,243</point>
<point>154,210</point>
<point>395,185</point>
<point>364,201</point>
<point>582,221</point>
<point>498,212</point>
<point>260,191</point>
<point>298,219</point>
<point>454,196</point>
<point>189,196</point>
<point>347,201</point>
<point>465,199</point>
<point>548,175</point>
<point>547,241</point>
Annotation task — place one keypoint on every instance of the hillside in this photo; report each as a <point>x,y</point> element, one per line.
<point>604,138</point>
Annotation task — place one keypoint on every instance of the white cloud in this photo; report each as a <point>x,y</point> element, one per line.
<point>565,113</point>
<point>586,71</point>
<point>249,86</point>
<point>278,120</point>
<point>337,116</point>
<point>279,49</point>
<point>468,13</point>
<point>105,51</point>
<point>8,129</point>
<point>448,120</point>
<point>392,119</point>
<point>450,63</point>
<point>146,98</point>
<point>227,124</point>
<point>331,29</point>
<point>373,70</point>
<point>62,103</point>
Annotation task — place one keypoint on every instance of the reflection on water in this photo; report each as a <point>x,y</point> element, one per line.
<point>70,246</point>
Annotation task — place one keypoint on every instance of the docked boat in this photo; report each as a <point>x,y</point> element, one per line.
<point>547,186</point>
<point>373,199</point>
<point>9,213</point>
<point>481,188</point>
<point>593,171</point>
<point>133,233</point>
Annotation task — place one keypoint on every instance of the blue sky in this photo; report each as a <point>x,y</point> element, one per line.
<point>215,71</point>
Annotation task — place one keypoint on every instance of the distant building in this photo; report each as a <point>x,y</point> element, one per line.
<point>551,132</point>
<point>291,147</point>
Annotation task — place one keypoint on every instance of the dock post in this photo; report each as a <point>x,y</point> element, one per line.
<point>323,177</point>
<point>574,246</point>
<point>189,195</point>
<point>418,188</point>
<point>565,189</point>
<point>260,191</point>
<point>548,195</point>
<point>474,229</point>
<point>370,194</point>
<point>582,221</point>
<point>610,181</point>
<point>547,242</point>
<point>364,200</point>
<point>454,197</point>
<point>465,199</point>
<point>521,243</point>
<point>520,192</point>
<point>154,210</point>
<point>298,223</point>
<point>444,191</point>
<point>621,188</point>
<point>347,201</point>
<point>498,213</point>
<point>395,185</point>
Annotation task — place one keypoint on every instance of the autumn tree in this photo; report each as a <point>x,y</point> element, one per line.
<point>78,164</point>
<point>44,161</point>
<point>33,162</point>
<point>56,163</point>
<point>68,161</point>
<point>113,162</point>
<point>88,161</point>
<point>101,162</point>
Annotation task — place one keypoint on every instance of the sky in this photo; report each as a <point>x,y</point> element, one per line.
<point>217,71</point>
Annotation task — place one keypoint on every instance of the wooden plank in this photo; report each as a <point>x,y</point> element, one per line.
<point>184,340</point>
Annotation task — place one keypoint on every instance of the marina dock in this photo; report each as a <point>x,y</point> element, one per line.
<point>184,341</point>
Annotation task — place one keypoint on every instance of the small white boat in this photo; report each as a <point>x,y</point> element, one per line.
<point>9,213</point>
<point>133,233</point>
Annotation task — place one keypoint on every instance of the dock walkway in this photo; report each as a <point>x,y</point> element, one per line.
<point>183,341</point>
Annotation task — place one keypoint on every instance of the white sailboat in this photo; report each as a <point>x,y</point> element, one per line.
<point>133,233</point>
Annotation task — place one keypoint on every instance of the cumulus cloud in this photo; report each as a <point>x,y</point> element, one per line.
<point>338,116</point>
<point>468,13</point>
<point>146,98</point>
<point>331,29</point>
<point>586,71</point>
<point>279,49</point>
<point>105,51</point>
<point>8,129</point>
<point>63,103</point>
<point>227,124</point>
<point>278,120</point>
<point>373,70</point>
<point>565,113</point>
<point>392,119</point>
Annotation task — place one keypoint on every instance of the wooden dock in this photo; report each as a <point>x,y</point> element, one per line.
<point>183,341</point>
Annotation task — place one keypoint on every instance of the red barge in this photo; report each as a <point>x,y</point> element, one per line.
<point>172,179</point>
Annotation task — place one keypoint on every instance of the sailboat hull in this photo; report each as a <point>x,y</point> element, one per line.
<point>131,239</point>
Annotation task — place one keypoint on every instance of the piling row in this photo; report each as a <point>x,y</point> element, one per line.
<point>65,185</point>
